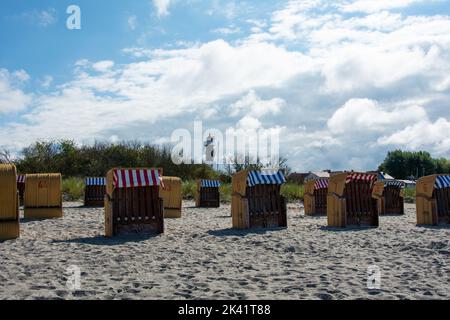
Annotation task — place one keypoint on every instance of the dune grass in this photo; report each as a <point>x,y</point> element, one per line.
<point>73,189</point>
<point>410,195</point>
<point>188,189</point>
<point>293,192</point>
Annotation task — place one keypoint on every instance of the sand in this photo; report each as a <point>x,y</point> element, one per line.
<point>200,257</point>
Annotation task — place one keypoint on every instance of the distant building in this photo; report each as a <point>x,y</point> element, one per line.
<point>317,175</point>
<point>409,183</point>
<point>382,175</point>
<point>385,176</point>
<point>298,178</point>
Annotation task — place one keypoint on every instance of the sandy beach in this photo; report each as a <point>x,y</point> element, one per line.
<point>200,257</point>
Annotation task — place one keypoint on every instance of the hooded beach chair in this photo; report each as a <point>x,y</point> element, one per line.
<point>132,201</point>
<point>21,187</point>
<point>315,199</point>
<point>207,194</point>
<point>390,196</point>
<point>257,201</point>
<point>94,191</point>
<point>350,202</point>
<point>433,200</point>
<point>43,196</point>
<point>9,203</point>
<point>170,192</point>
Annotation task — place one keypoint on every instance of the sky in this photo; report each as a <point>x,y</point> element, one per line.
<point>343,82</point>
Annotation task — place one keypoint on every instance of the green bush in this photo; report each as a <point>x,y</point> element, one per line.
<point>410,195</point>
<point>73,189</point>
<point>188,189</point>
<point>292,191</point>
<point>225,192</point>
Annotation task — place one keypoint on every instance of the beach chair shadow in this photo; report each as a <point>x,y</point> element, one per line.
<point>434,227</point>
<point>391,215</point>
<point>115,241</point>
<point>316,216</point>
<point>81,206</point>
<point>230,232</point>
<point>28,220</point>
<point>347,229</point>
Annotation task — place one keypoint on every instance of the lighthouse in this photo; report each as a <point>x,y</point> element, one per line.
<point>209,149</point>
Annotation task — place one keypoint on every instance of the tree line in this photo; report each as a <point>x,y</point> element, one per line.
<point>413,165</point>
<point>72,160</point>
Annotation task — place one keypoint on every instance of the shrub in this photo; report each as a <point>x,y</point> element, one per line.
<point>73,189</point>
<point>410,195</point>
<point>292,191</point>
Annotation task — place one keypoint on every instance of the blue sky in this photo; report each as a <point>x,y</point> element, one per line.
<point>342,81</point>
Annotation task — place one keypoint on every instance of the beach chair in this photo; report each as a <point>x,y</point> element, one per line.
<point>256,200</point>
<point>350,202</point>
<point>132,201</point>
<point>94,191</point>
<point>433,200</point>
<point>43,196</point>
<point>21,187</point>
<point>390,196</point>
<point>315,199</point>
<point>207,194</point>
<point>9,203</point>
<point>170,192</point>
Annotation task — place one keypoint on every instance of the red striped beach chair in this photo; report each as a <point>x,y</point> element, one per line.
<point>315,199</point>
<point>350,202</point>
<point>21,187</point>
<point>132,201</point>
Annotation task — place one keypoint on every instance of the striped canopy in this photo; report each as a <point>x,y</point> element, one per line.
<point>209,183</point>
<point>394,183</point>
<point>95,181</point>
<point>321,184</point>
<point>129,178</point>
<point>20,178</point>
<point>265,177</point>
<point>361,177</point>
<point>442,182</point>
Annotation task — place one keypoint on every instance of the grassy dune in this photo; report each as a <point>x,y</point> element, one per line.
<point>73,189</point>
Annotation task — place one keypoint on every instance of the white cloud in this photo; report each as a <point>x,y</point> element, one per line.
<point>365,114</point>
<point>376,5</point>
<point>103,66</point>
<point>420,135</point>
<point>46,81</point>
<point>253,105</point>
<point>249,123</point>
<point>21,75</point>
<point>169,84</point>
<point>12,98</point>
<point>41,18</point>
<point>162,7</point>
<point>227,31</point>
